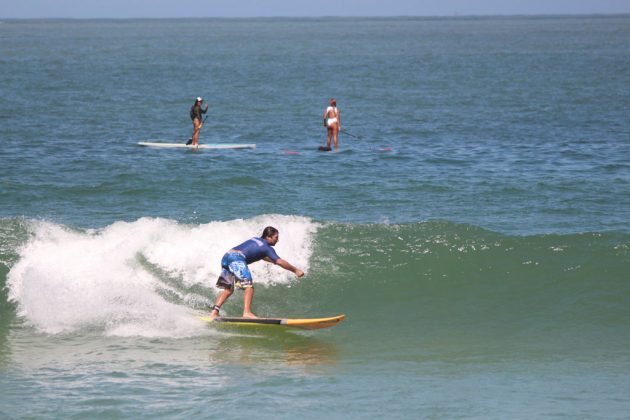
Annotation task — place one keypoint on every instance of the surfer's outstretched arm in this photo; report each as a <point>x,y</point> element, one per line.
<point>288,266</point>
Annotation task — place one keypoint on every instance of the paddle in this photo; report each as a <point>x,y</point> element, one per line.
<point>190,139</point>
<point>350,134</point>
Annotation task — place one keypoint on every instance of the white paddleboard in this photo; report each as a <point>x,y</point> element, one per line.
<point>200,146</point>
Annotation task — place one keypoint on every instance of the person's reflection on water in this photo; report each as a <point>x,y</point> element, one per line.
<point>255,347</point>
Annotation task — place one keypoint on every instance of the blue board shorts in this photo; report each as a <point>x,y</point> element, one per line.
<point>234,272</point>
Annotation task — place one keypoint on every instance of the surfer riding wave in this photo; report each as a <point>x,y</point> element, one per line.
<point>235,271</point>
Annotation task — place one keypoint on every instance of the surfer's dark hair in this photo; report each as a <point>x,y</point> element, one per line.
<point>269,232</point>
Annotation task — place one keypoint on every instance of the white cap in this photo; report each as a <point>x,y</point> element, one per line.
<point>199,99</point>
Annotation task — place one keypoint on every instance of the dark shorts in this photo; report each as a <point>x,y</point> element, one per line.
<point>234,272</point>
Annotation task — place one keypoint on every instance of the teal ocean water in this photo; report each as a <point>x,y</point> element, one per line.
<point>475,231</point>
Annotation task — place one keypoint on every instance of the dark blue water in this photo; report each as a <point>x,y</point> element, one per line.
<point>514,124</point>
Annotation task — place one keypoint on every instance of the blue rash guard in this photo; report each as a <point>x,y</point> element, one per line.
<point>256,249</point>
<point>234,263</point>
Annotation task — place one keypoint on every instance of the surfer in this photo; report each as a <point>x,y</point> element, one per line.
<point>235,273</point>
<point>332,122</point>
<point>195,116</point>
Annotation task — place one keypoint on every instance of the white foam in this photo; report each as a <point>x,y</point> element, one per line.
<point>116,278</point>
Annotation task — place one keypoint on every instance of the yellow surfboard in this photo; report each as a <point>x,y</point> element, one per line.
<point>306,323</point>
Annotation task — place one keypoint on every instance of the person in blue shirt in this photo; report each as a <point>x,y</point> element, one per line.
<point>235,273</point>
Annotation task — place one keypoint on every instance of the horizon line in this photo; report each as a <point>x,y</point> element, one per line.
<point>453,15</point>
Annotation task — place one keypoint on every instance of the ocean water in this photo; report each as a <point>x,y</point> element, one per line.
<point>475,230</point>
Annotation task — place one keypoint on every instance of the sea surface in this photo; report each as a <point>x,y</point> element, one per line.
<point>474,225</point>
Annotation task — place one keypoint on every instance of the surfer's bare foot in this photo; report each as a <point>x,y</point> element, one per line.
<point>249,315</point>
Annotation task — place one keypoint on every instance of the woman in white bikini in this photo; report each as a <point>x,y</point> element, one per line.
<point>332,121</point>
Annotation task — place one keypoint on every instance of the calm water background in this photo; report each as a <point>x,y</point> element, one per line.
<point>476,234</point>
